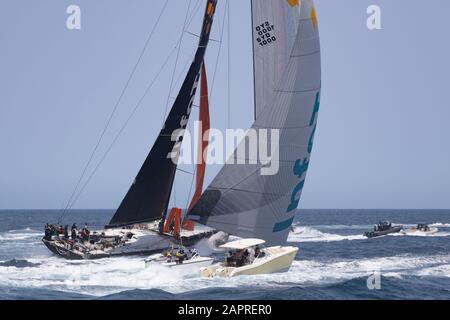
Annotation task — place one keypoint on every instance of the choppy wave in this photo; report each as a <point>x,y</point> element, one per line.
<point>340,271</point>
<point>110,276</point>
<point>356,288</point>
<point>17,235</point>
<point>18,264</point>
<point>22,230</point>
<point>308,234</point>
<point>440,225</point>
<point>340,227</point>
<point>207,247</point>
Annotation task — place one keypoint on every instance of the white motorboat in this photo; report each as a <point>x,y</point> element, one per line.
<point>179,259</point>
<point>248,257</point>
<point>420,230</point>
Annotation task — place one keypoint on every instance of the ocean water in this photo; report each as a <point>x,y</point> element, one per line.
<point>334,262</point>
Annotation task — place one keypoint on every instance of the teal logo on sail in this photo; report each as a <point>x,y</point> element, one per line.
<point>300,168</point>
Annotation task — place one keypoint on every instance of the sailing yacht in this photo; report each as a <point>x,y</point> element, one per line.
<point>142,223</point>
<point>241,200</point>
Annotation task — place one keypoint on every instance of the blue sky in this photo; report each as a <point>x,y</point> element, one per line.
<point>383,135</point>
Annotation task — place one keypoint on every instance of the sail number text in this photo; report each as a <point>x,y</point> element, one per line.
<point>265,34</point>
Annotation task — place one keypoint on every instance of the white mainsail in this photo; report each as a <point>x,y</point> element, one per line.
<point>240,200</point>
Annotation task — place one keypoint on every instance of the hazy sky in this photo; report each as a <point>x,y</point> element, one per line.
<point>383,135</point>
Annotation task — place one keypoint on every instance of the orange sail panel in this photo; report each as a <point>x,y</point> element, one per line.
<point>205,125</point>
<point>173,222</point>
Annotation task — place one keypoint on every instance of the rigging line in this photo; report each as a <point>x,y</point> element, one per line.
<point>185,69</point>
<point>192,34</point>
<point>194,12</point>
<point>176,61</point>
<point>197,36</point>
<point>218,55</point>
<point>255,110</point>
<point>212,86</point>
<point>123,127</point>
<point>229,64</point>
<point>108,123</point>
<point>219,24</point>
<point>185,171</point>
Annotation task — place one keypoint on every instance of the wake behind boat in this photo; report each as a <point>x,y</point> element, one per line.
<point>249,257</point>
<point>383,229</point>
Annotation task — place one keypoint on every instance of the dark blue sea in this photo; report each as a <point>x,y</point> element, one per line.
<point>334,262</point>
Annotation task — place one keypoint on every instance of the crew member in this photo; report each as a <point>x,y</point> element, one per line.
<point>257,252</point>
<point>74,234</point>
<point>48,233</point>
<point>181,256</point>
<point>230,259</point>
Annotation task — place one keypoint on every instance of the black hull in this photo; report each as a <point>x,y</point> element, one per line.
<point>71,255</point>
<point>376,234</point>
<point>61,252</point>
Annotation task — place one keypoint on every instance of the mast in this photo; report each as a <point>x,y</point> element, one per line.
<point>147,198</point>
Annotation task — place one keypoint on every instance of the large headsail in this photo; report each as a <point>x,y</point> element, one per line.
<point>240,200</point>
<point>148,197</point>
